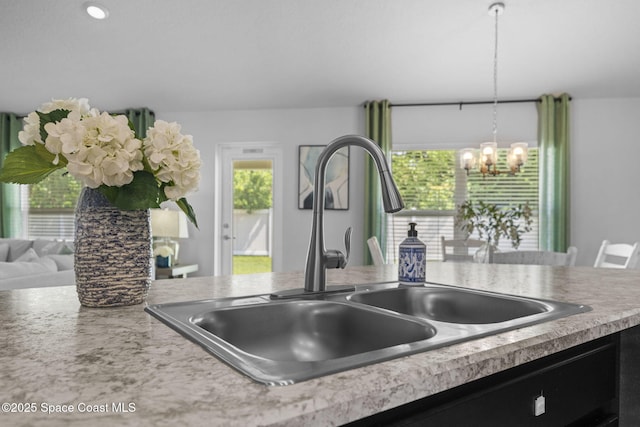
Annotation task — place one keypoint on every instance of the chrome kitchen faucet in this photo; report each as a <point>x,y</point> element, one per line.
<point>319,258</point>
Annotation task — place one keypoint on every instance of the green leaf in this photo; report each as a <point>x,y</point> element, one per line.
<point>54,116</point>
<point>188,210</point>
<point>142,193</point>
<point>29,164</point>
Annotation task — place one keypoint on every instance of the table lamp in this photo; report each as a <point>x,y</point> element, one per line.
<point>167,225</point>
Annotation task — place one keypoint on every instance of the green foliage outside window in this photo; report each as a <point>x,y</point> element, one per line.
<point>59,191</point>
<point>426,180</point>
<point>252,189</point>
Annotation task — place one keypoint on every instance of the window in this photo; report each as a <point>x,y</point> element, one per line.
<point>432,185</point>
<point>48,207</point>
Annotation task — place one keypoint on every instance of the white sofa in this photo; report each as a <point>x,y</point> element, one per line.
<point>35,263</point>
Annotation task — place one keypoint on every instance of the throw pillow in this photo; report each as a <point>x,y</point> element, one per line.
<point>29,256</point>
<point>4,251</point>
<point>46,247</point>
<point>67,248</point>
<point>16,247</point>
<point>47,263</point>
<point>63,262</point>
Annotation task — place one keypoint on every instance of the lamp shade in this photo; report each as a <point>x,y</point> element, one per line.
<point>467,159</point>
<point>517,154</point>
<point>488,154</point>
<point>169,223</point>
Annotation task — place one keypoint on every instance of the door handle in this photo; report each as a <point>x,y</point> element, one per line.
<point>227,237</point>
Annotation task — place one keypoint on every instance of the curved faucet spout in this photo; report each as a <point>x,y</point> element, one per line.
<point>317,257</point>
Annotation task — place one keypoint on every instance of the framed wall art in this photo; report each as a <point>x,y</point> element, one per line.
<point>337,177</point>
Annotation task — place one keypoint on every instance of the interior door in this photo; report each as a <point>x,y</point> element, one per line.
<point>251,209</point>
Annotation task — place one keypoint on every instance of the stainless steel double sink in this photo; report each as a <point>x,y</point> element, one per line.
<point>279,342</point>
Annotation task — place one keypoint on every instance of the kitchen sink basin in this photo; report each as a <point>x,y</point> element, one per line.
<point>453,305</point>
<point>279,342</point>
<point>309,331</point>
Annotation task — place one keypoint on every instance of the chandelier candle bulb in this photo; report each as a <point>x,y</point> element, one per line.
<point>467,159</point>
<point>517,156</point>
<point>489,153</point>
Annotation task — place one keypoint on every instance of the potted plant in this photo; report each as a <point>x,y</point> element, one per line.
<point>493,222</point>
<point>124,175</point>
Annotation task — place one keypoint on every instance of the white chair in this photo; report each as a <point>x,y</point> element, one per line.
<point>458,249</point>
<point>624,255</point>
<point>567,259</point>
<point>376,252</point>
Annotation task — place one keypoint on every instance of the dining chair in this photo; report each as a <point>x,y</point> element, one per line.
<point>376,252</point>
<point>617,255</point>
<point>459,249</point>
<point>567,259</point>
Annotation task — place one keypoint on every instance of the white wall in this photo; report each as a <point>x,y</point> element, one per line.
<point>605,180</point>
<point>605,191</point>
<point>289,128</point>
<point>450,126</point>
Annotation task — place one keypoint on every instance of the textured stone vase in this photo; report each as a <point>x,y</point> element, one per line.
<point>112,252</point>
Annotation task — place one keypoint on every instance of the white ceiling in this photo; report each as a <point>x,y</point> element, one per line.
<point>194,55</point>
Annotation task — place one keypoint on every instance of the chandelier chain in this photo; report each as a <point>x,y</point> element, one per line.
<point>517,155</point>
<point>495,79</point>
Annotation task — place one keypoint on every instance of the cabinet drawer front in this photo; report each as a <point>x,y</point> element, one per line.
<point>579,384</point>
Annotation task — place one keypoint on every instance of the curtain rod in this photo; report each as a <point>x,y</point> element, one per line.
<point>461,103</point>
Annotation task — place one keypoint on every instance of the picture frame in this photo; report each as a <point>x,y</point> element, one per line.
<point>337,177</point>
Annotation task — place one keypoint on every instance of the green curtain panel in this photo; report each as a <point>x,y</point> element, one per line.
<point>553,143</point>
<point>10,218</point>
<point>142,119</point>
<point>378,129</point>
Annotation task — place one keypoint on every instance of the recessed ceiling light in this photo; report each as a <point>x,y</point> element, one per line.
<point>96,11</point>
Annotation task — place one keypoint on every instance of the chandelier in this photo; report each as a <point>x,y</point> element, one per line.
<point>488,156</point>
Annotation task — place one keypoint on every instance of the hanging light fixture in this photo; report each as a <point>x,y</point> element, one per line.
<point>488,157</point>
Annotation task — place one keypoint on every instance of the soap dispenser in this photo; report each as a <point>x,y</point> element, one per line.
<point>412,259</point>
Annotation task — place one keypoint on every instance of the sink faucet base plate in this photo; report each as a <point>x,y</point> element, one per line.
<point>301,293</point>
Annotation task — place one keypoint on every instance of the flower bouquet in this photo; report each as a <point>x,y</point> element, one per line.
<point>163,256</point>
<point>104,153</point>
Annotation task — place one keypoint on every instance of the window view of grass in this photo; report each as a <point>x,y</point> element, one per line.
<point>247,264</point>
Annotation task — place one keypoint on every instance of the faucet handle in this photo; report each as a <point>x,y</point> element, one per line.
<point>347,246</point>
<point>335,258</point>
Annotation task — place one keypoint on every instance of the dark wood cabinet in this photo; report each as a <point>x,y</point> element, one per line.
<point>578,386</point>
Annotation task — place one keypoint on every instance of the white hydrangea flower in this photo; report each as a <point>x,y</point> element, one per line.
<point>72,104</point>
<point>30,133</point>
<point>65,136</point>
<point>107,153</point>
<point>163,251</point>
<point>173,158</point>
<point>102,150</point>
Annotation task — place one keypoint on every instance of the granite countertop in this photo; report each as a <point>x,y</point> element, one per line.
<point>120,366</point>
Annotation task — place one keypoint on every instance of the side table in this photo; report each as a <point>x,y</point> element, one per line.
<point>178,270</point>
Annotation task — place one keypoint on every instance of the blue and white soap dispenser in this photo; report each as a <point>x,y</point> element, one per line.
<point>412,259</point>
